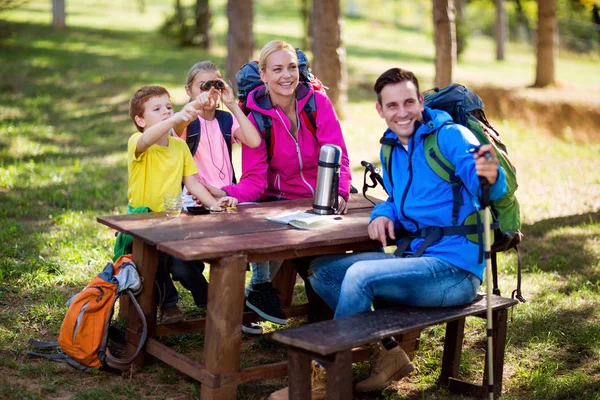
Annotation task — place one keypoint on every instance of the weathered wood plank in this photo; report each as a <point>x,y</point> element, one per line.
<point>329,337</point>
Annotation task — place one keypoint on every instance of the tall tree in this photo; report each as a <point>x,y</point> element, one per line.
<point>444,32</point>
<point>500,29</point>
<point>240,39</point>
<point>547,41</point>
<point>202,27</point>
<point>305,7</point>
<point>59,16</point>
<point>329,54</point>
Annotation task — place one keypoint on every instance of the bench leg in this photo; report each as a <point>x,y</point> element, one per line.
<point>339,376</point>
<point>452,350</point>
<point>499,322</point>
<point>299,375</point>
<point>500,318</point>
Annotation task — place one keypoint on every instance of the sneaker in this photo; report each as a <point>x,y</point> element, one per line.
<point>318,385</point>
<point>252,328</point>
<point>263,300</point>
<point>170,315</point>
<point>386,366</point>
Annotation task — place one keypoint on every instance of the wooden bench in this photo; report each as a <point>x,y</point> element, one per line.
<point>332,341</point>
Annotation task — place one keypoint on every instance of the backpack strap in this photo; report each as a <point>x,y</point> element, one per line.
<point>309,114</point>
<point>265,128</point>
<point>119,363</point>
<point>444,169</point>
<point>434,233</point>
<point>387,146</point>
<point>193,136</point>
<point>52,351</point>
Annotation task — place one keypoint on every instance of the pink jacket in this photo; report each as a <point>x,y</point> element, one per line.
<point>292,170</point>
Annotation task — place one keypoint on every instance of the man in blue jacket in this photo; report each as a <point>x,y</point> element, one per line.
<point>433,268</point>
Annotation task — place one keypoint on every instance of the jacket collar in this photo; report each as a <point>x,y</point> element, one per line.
<point>258,99</point>
<point>432,120</point>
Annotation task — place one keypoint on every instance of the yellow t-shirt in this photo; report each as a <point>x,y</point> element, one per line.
<point>158,170</point>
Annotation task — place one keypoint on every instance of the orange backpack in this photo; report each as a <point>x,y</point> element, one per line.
<point>82,341</point>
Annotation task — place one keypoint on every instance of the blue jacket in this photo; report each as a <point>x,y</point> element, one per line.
<point>419,198</point>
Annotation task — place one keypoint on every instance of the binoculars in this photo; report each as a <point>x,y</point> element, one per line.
<point>208,84</point>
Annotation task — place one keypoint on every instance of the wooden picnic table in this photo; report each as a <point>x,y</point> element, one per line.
<point>227,241</point>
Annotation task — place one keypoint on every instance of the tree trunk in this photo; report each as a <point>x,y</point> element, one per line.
<point>547,39</point>
<point>501,29</point>
<point>240,39</point>
<point>444,32</point>
<point>306,7</point>
<point>329,55</point>
<point>202,31</point>
<point>59,16</point>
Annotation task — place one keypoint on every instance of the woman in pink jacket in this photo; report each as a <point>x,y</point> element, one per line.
<point>289,170</point>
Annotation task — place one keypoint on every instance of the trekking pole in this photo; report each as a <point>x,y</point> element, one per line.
<point>487,243</point>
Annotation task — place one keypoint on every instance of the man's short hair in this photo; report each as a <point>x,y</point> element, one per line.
<point>391,77</point>
<point>139,98</point>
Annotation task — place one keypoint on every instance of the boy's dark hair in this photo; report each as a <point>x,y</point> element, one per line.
<point>393,76</point>
<point>139,98</point>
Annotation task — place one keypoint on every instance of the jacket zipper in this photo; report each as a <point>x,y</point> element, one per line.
<point>312,191</point>
<point>410,178</point>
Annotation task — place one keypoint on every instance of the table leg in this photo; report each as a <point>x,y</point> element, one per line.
<point>223,335</point>
<point>145,258</point>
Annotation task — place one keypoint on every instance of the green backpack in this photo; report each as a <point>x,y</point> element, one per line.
<point>466,108</point>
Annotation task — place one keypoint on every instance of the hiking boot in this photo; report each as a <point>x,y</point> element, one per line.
<point>386,366</point>
<point>251,328</point>
<point>318,382</point>
<point>263,300</point>
<point>170,315</point>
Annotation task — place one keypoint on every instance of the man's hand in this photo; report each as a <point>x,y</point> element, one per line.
<point>486,165</point>
<point>380,228</point>
<point>215,191</point>
<point>342,206</point>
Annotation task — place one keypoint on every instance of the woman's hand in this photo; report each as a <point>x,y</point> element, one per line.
<point>342,206</point>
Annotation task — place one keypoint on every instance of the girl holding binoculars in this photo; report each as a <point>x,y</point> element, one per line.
<point>205,83</point>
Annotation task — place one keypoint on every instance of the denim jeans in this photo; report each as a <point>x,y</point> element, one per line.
<point>350,283</point>
<point>263,272</point>
<point>189,273</point>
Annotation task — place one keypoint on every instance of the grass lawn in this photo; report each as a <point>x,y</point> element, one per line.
<point>63,131</point>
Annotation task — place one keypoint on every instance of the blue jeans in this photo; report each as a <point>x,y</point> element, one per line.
<point>350,283</point>
<point>263,272</point>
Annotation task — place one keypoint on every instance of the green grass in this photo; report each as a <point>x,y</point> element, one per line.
<point>63,133</point>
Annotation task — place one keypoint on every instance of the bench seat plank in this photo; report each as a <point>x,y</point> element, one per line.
<point>328,337</point>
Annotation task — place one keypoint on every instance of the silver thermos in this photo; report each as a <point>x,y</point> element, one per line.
<point>328,176</point>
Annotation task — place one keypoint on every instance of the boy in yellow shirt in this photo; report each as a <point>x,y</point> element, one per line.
<point>157,164</point>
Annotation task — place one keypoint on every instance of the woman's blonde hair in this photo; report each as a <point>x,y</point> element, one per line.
<point>199,67</point>
<point>272,47</point>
